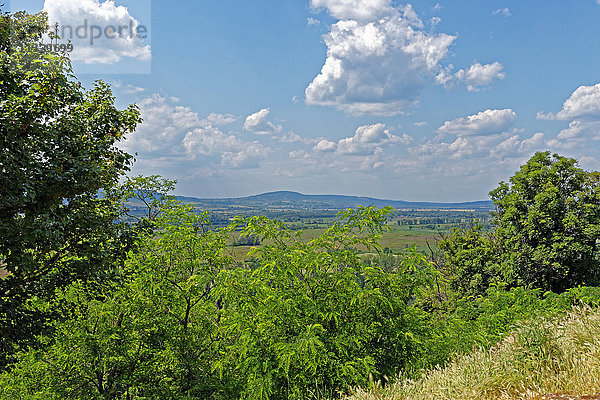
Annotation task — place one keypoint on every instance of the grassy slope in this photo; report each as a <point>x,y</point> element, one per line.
<point>559,356</point>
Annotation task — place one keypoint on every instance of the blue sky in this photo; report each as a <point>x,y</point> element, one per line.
<point>429,101</point>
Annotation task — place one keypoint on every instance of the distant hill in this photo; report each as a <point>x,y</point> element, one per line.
<point>293,200</point>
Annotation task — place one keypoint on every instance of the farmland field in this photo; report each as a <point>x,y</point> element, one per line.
<point>396,239</point>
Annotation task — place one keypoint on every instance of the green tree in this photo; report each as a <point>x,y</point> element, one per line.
<point>548,224</point>
<point>470,261</point>
<point>57,154</point>
<point>305,320</point>
<point>312,319</point>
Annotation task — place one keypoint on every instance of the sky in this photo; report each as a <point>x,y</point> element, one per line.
<point>421,101</point>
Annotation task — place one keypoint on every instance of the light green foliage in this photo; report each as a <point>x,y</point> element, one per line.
<point>312,319</point>
<point>548,224</point>
<point>305,320</point>
<point>152,336</point>
<point>57,151</point>
<point>149,192</point>
<point>482,321</point>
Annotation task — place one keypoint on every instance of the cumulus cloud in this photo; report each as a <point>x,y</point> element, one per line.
<point>259,123</point>
<point>578,130</point>
<point>368,137</point>
<point>486,122</point>
<point>515,146</point>
<point>220,119</point>
<point>378,58</point>
<point>435,150</point>
<point>174,132</point>
<point>584,103</point>
<point>583,109</point>
<point>476,77</point>
<point>101,32</point>
<point>479,75</point>
<point>325,145</point>
<point>361,10</point>
<point>247,157</point>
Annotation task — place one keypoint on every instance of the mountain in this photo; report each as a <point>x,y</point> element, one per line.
<point>293,200</point>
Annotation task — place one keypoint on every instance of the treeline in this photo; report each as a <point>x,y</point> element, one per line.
<point>103,303</point>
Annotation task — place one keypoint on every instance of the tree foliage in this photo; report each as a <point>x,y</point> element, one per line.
<point>548,224</point>
<point>57,153</point>
<point>307,320</point>
<point>470,261</point>
<point>547,232</point>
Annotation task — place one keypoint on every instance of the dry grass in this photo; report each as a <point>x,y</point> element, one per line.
<point>540,357</point>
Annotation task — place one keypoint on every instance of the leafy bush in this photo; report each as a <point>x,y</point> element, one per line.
<point>541,356</point>
<point>307,320</point>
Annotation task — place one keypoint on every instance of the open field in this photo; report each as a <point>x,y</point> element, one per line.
<point>396,239</point>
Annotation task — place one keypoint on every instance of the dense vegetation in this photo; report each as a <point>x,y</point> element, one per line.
<point>558,356</point>
<point>103,303</point>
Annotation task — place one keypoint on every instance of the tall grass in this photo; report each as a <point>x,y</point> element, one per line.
<point>541,356</point>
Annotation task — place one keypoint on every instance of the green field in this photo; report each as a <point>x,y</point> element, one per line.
<point>396,239</point>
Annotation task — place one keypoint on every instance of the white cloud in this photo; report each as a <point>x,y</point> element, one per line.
<point>545,116</point>
<point>130,89</point>
<point>220,119</point>
<point>374,161</point>
<point>434,21</point>
<point>207,140</point>
<point>434,150</point>
<point>368,137</point>
<point>101,32</point>
<point>479,75</point>
<point>361,10</point>
<point>174,133</point>
<point>377,67</point>
<point>325,145</point>
<point>486,122</point>
<point>299,154</point>
<point>505,12</point>
<point>421,124</point>
<point>514,146</point>
<point>476,77</point>
<point>583,109</point>
<point>248,157</point>
<point>579,130</point>
<point>583,103</point>
<point>259,123</point>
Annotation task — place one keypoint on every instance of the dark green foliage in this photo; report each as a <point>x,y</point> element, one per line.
<point>56,153</point>
<point>470,262</point>
<point>548,224</point>
<point>547,231</point>
<point>247,240</point>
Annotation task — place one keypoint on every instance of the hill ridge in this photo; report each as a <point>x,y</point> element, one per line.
<point>287,198</point>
